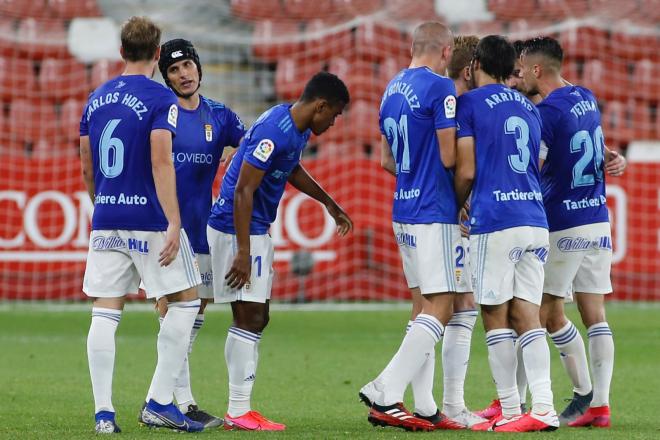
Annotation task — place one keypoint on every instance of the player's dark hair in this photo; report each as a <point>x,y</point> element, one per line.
<point>496,56</point>
<point>519,46</point>
<point>464,46</point>
<point>328,86</point>
<point>547,47</point>
<point>140,38</point>
<point>174,51</point>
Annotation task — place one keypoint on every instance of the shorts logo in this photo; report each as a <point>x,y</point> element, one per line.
<point>173,115</point>
<point>577,244</point>
<point>207,278</point>
<point>140,246</point>
<point>264,149</point>
<point>516,254</point>
<point>541,254</point>
<point>177,54</point>
<point>450,106</point>
<point>405,239</point>
<point>102,243</point>
<point>208,131</point>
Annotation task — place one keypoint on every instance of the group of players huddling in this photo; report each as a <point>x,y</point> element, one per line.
<point>149,157</point>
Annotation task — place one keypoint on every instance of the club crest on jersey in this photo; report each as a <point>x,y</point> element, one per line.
<point>450,106</point>
<point>173,115</point>
<point>208,131</point>
<point>264,149</point>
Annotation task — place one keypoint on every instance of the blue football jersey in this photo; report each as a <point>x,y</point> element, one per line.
<point>202,135</point>
<point>274,145</point>
<point>416,103</point>
<point>506,128</point>
<point>118,118</point>
<point>572,177</point>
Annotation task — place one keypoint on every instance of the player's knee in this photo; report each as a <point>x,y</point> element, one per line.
<point>464,302</point>
<point>554,323</point>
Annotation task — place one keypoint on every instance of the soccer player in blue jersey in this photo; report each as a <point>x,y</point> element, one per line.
<point>419,147</point>
<point>573,183</point>
<point>241,248</point>
<point>126,152</point>
<point>204,128</point>
<point>499,137</point>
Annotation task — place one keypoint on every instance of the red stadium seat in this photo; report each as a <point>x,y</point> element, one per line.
<point>323,42</point>
<point>560,9</point>
<point>616,124</point>
<point>38,39</point>
<point>570,72</point>
<point>305,9</point>
<point>387,69</point>
<point>584,42</point>
<point>291,76</point>
<point>44,148</point>
<point>608,80</point>
<point>105,70</point>
<point>23,8</point>
<point>273,39</point>
<point>645,82</point>
<point>7,37</point>
<point>480,28</point>
<point>351,8</point>
<point>257,9</point>
<point>18,79</point>
<point>378,41</point>
<point>649,11</point>
<point>341,149</point>
<point>641,119</point>
<point>612,9</point>
<point>69,9</point>
<point>512,9</point>
<point>524,28</point>
<point>359,76</point>
<point>634,46</point>
<point>413,10</point>
<point>31,120</point>
<point>70,115</point>
<point>63,78</point>
<point>359,125</point>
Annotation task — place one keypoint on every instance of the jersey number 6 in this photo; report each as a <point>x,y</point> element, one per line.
<point>111,151</point>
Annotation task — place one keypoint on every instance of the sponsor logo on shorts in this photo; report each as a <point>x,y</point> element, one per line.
<point>103,243</point>
<point>516,254</point>
<point>541,254</point>
<point>577,244</point>
<point>207,278</point>
<point>140,246</point>
<point>405,239</point>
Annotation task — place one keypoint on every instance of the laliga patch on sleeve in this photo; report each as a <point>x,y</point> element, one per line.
<point>264,150</point>
<point>450,106</point>
<point>172,115</point>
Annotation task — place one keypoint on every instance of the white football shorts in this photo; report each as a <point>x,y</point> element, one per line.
<point>223,249</point>
<point>462,261</point>
<point>118,260</point>
<point>580,260</point>
<point>507,264</point>
<point>430,254</point>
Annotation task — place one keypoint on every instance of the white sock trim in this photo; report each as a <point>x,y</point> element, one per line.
<point>431,325</point>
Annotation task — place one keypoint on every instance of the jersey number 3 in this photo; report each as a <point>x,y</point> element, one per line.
<point>520,130</point>
<point>111,151</point>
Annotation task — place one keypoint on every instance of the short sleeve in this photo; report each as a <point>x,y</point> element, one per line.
<point>464,119</point>
<point>166,112</point>
<point>549,119</point>
<point>442,96</point>
<point>263,147</point>
<point>84,127</point>
<point>234,128</point>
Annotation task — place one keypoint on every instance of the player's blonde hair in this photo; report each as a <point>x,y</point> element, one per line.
<point>140,38</point>
<point>464,47</point>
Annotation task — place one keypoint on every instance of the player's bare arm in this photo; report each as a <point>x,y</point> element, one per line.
<point>447,146</point>
<point>465,169</point>
<point>303,182</point>
<point>87,166</point>
<point>165,182</point>
<point>386,158</point>
<point>248,181</point>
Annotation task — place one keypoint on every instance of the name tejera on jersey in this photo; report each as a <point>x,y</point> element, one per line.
<point>584,203</point>
<point>508,196</point>
<point>112,98</point>
<point>121,199</point>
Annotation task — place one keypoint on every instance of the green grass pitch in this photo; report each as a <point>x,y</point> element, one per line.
<point>311,365</point>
